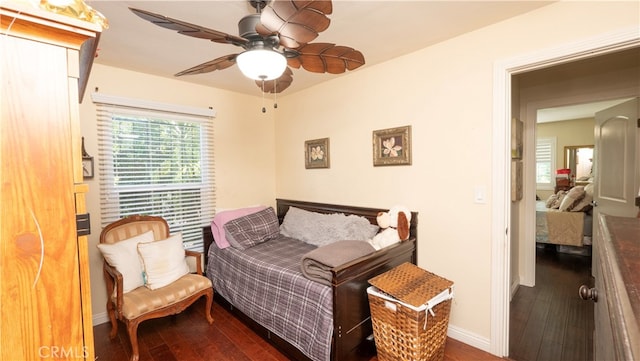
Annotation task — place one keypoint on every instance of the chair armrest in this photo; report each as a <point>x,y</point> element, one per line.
<point>198,257</point>
<point>114,278</point>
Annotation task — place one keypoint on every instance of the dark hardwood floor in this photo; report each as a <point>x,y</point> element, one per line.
<point>188,336</point>
<point>549,321</point>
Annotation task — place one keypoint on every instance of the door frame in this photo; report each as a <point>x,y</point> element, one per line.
<point>602,44</point>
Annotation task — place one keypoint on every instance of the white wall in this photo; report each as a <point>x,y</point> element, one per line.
<point>244,146</point>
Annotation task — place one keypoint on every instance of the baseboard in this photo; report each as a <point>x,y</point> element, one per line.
<point>514,288</point>
<point>100,318</point>
<point>469,338</point>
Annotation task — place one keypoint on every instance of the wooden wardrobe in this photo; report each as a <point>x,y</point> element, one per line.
<point>45,297</point>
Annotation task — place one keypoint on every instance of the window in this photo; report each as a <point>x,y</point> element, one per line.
<point>545,163</point>
<point>155,159</point>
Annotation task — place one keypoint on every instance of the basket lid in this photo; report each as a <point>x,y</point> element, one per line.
<point>411,284</point>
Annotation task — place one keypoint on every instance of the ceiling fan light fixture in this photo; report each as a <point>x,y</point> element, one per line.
<point>261,64</point>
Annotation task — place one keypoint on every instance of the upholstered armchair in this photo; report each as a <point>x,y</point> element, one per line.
<point>147,275</point>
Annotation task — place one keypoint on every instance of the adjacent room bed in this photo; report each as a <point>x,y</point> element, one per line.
<point>320,315</point>
<point>565,219</point>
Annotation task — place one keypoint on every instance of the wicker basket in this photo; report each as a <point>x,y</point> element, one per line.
<point>410,310</point>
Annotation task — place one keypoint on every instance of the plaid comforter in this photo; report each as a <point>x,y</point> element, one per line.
<point>265,282</point>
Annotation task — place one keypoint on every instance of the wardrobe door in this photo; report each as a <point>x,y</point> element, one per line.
<point>41,311</point>
<point>44,291</point>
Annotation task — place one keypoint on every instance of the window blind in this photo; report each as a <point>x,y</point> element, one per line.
<point>545,162</point>
<point>156,162</point>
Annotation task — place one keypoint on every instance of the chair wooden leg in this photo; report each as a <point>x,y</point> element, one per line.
<point>207,310</point>
<point>132,329</point>
<point>112,318</point>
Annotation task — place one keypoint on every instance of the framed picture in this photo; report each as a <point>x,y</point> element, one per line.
<point>392,146</point>
<point>516,180</point>
<point>316,153</point>
<point>87,167</point>
<point>516,138</point>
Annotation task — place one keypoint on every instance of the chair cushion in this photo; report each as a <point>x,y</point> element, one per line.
<point>124,257</point>
<point>143,300</point>
<point>164,261</point>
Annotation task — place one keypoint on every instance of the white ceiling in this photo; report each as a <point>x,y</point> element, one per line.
<point>577,111</point>
<point>381,30</point>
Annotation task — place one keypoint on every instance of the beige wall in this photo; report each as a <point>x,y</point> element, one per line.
<point>567,133</point>
<point>244,146</point>
<point>444,92</point>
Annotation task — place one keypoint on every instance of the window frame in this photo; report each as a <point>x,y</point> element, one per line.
<point>551,143</point>
<point>198,215</point>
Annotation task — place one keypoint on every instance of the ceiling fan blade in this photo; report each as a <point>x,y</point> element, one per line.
<point>327,58</point>
<point>188,29</point>
<point>277,85</point>
<point>296,21</point>
<point>220,63</point>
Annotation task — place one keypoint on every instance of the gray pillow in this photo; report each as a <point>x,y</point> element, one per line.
<point>252,229</point>
<point>321,229</point>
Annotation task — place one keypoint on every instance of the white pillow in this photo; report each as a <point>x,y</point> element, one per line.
<point>164,261</point>
<point>124,257</point>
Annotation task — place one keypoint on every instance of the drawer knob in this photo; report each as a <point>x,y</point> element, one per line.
<point>587,293</point>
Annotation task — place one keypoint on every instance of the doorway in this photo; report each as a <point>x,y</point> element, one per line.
<point>548,321</point>
<point>533,319</point>
<point>608,79</point>
<point>506,254</point>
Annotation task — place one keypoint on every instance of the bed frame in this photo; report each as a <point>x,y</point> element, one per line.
<point>352,329</point>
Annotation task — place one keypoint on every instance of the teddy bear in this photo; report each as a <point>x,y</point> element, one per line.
<point>394,225</point>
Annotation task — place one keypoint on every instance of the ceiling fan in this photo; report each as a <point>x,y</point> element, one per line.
<point>275,38</point>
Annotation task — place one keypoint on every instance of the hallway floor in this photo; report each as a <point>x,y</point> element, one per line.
<point>550,321</point>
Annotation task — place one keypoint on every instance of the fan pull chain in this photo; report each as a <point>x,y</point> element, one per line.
<point>264,109</point>
<point>275,94</point>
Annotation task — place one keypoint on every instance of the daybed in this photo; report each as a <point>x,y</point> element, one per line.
<point>304,319</point>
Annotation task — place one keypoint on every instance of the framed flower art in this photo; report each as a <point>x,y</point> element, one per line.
<point>316,153</point>
<point>392,146</point>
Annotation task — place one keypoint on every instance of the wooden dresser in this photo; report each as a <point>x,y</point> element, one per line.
<point>616,267</point>
<point>45,298</point>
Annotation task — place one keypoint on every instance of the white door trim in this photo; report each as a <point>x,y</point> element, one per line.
<point>501,162</point>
